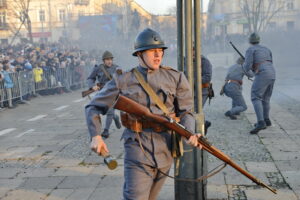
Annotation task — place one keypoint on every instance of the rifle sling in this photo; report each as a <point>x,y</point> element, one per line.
<point>105,72</point>
<point>199,179</point>
<point>150,92</point>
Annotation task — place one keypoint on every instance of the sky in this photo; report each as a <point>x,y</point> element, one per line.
<point>162,6</point>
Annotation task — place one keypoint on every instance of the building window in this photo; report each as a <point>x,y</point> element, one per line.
<point>2,3</point>
<point>290,25</point>
<point>290,5</point>
<point>62,15</point>
<point>42,15</point>
<point>2,19</point>
<point>80,13</point>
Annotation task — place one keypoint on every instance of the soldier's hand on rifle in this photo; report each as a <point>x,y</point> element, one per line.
<point>193,140</point>
<point>98,145</point>
<point>96,87</point>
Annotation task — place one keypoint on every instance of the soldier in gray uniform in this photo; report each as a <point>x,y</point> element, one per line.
<point>233,88</point>
<point>259,59</point>
<point>148,152</point>
<point>206,74</point>
<point>103,73</point>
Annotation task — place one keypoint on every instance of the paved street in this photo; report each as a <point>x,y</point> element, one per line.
<point>44,150</point>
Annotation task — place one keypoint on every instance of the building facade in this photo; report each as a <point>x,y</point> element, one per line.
<point>229,17</point>
<point>50,20</point>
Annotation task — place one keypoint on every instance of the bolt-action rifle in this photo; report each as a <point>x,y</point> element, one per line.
<point>91,90</point>
<point>128,105</point>
<point>243,57</point>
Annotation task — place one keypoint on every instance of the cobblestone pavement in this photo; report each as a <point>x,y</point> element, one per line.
<point>44,151</point>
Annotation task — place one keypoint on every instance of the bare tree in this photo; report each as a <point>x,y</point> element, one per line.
<point>259,13</point>
<point>172,10</point>
<point>19,9</point>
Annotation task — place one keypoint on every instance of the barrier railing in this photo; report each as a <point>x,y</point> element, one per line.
<point>27,82</point>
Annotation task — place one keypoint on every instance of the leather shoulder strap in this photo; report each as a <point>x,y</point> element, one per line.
<point>105,72</point>
<point>150,92</point>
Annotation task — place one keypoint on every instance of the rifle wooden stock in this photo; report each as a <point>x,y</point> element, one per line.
<point>90,91</point>
<point>128,105</point>
<point>87,92</point>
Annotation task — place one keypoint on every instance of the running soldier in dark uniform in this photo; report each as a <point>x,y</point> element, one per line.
<point>103,73</point>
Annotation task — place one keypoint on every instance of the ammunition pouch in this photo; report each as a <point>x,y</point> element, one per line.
<point>137,124</point>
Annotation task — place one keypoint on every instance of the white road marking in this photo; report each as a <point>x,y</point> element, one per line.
<point>21,134</point>
<point>5,131</point>
<point>36,118</point>
<point>79,100</point>
<point>61,108</point>
<point>63,115</point>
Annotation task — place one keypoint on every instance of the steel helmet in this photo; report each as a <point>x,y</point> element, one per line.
<point>148,39</point>
<point>107,55</point>
<point>254,38</point>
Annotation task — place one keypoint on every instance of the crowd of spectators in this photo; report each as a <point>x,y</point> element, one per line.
<point>42,69</point>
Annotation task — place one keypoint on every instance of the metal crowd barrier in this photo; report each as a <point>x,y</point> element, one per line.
<point>11,93</point>
<point>24,83</point>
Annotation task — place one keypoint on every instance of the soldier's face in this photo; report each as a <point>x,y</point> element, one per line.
<point>153,57</point>
<point>108,62</point>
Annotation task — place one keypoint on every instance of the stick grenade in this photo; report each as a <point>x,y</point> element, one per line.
<point>110,162</point>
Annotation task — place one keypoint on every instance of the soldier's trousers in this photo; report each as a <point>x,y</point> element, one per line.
<point>110,115</point>
<point>142,182</point>
<point>261,93</point>
<point>234,91</point>
<point>204,96</point>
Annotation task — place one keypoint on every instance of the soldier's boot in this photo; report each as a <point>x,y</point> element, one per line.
<point>206,126</point>
<point>117,122</point>
<point>259,126</point>
<point>105,133</point>
<point>230,115</point>
<point>268,122</point>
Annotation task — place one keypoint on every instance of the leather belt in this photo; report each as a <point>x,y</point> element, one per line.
<point>137,124</point>
<point>256,65</point>
<point>205,85</point>
<point>235,81</point>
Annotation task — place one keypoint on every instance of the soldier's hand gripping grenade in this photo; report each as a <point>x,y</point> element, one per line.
<point>110,161</point>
